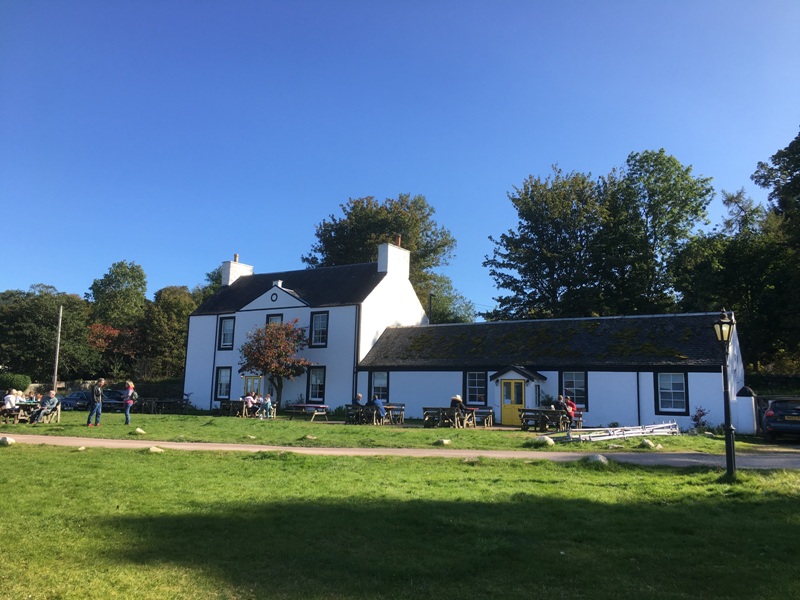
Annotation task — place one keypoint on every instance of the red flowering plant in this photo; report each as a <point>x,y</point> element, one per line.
<point>272,350</point>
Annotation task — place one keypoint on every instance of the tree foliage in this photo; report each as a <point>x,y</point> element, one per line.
<point>28,333</point>
<point>119,297</point>
<point>366,223</point>
<point>597,247</point>
<point>272,351</point>
<point>545,263</point>
<point>167,319</point>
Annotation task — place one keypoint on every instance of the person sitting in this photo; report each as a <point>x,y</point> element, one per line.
<point>378,404</point>
<point>249,403</point>
<point>357,400</point>
<point>266,407</point>
<point>47,405</point>
<point>457,402</point>
<point>571,407</point>
<point>10,407</point>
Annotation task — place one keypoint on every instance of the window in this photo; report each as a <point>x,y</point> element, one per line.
<point>574,386</point>
<point>316,385</point>
<point>671,393</point>
<point>274,319</point>
<point>380,385</point>
<point>223,387</point>
<point>226,325</point>
<point>475,387</point>
<point>319,330</point>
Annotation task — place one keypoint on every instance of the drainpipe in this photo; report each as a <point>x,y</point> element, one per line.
<point>638,398</point>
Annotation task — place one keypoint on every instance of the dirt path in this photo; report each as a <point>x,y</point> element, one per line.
<point>785,459</point>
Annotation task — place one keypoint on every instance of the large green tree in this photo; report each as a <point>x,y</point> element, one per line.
<point>366,222</point>
<point>602,247</point>
<point>165,331</point>
<point>28,333</point>
<point>119,297</point>
<point>545,262</point>
<point>650,211</point>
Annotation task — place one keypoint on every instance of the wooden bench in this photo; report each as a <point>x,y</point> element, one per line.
<point>306,409</point>
<point>484,416</point>
<point>446,416</point>
<point>544,418</point>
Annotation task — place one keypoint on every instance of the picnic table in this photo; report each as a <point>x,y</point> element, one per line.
<point>543,418</point>
<point>447,416</point>
<point>306,409</point>
<point>357,414</point>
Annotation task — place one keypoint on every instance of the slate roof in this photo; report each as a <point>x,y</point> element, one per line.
<point>606,343</point>
<point>324,286</point>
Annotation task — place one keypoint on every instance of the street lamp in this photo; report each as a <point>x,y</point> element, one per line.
<point>723,329</point>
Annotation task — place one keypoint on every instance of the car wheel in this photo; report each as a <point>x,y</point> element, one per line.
<point>770,436</point>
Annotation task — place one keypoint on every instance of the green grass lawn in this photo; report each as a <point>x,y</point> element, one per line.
<point>102,523</point>
<point>283,432</point>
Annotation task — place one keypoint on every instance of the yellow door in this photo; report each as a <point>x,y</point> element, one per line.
<point>513,398</point>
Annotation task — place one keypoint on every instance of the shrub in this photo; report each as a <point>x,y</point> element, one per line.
<point>15,381</point>
<point>698,418</point>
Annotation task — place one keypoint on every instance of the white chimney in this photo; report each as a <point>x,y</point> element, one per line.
<point>278,283</point>
<point>393,260</point>
<point>233,269</point>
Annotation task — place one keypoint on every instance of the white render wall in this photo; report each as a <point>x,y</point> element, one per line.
<point>200,349</point>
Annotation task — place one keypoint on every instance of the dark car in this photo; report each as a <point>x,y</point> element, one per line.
<point>782,417</point>
<point>81,400</point>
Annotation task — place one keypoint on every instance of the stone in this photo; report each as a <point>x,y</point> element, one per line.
<point>82,449</point>
<point>647,444</point>
<point>659,447</point>
<point>615,446</point>
<point>156,450</point>
<point>597,458</point>
<point>442,442</point>
<point>7,441</point>
<point>139,430</point>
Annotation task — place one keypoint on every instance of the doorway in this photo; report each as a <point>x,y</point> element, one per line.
<point>512,398</point>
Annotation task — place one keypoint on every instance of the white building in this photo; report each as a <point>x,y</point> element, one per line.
<point>369,333</point>
<point>344,309</point>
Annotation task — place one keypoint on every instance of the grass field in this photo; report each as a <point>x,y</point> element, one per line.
<point>131,524</point>
<point>297,432</point>
<point>100,524</point>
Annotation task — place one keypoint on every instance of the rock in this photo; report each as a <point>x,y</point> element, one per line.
<point>252,437</point>
<point>544,440</point>
<point>139,430</point>
<point>596,458</point>
<point>309,437</point>
<point>156,450</point>
<point>708,434</point>
<point>659,447</point>
<point>82,449</point>
<point>647,444</point>
<point>442,442</point>
<point>7,441</point>
<point>615,446</point>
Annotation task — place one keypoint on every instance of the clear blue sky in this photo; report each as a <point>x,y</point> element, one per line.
<point>176,133</point>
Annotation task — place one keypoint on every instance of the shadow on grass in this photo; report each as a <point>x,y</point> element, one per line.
<point>527,546</point>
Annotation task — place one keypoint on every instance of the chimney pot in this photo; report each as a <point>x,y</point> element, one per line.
<point>235,258</point>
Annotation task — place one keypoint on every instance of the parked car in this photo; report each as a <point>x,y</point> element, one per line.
<point>82,399</point>
<point>782,417</point>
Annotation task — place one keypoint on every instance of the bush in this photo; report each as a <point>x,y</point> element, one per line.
<point>15,381</point>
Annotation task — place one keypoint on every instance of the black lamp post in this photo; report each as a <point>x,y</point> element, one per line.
<point>723,329</point>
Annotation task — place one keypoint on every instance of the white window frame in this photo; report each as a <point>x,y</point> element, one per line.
<point>225,340</point>
<point>318,334</point>
<point>672,393</point>
<point>220,393</point>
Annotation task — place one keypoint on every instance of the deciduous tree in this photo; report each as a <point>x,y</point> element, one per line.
<point>118,298</point>
<point>366,223</point>
<point>272,351</point>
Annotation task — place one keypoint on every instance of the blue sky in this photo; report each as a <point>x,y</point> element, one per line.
<point>176,133</point>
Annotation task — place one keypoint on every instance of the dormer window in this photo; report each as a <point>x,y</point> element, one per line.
<point>319,330</point>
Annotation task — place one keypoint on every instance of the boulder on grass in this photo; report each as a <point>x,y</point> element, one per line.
<point>139,430</point>
<point>596,458</point>
<point>7,441</point>
<point>156,450</point>
<point>647,444</point>
<point>540,441</point>
<point>442,442</point>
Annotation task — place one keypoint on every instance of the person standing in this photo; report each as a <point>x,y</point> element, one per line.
<point>96,408</point>
<point>129,398</point>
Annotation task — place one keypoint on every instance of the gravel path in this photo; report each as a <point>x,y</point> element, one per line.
<point>785,459</point>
